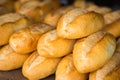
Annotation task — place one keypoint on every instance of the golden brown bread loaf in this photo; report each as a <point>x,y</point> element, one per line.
<point>10,23</point>
<point>111,70</point>
<point>32,10</point>
<point>53,17</point>
<point>78,23</point>
<point>112,16</point>
<point>35,10</point>
<point>113,28</point>
<point>91,53</point>
<point>17,5</point>
<point>25,41</point>
<point>67,71</point>
<point>50,45</point>
<point>10,60</point>
<point>38,67</point>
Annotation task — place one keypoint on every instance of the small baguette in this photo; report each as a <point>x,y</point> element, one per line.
<point>113,28</point>
<point>38,67</point>
<point>111,70</point>
<point>25,40</point>
<point>112,16</point>
<point>35,9</point>
<point>91,53</point>
<point>67,71</point>
<point>50,45</point>
<point>79,23</point>
<point>10,60</point>
<point>10,23</point>
<point>53,17</point>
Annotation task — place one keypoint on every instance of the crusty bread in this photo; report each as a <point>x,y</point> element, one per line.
<point>79,23</point>
<point>111,70</point>
<point>50,45</point>
<point>38,67</point>
<point>25,40</point>
<point>112,16</point>
<point>113,28</point>
<point>53,17</point>
<point>10,60</point>
<point>91,53</point>
<point>10,23</point>
<point>36,9</point>
<point>67,71</point>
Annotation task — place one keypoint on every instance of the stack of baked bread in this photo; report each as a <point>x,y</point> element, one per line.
<point>77,42</point>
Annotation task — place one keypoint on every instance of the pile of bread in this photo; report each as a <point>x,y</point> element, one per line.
<point>77,42</point>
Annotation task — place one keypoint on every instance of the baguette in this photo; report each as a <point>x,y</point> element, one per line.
<point>112,16</point>
<point>10,60</point>
<point>79,23</point>
<point>38,67</point>
<point>10,23</point>
<point>35,10</point>
<point>113,28</point>
<point>91,53</point>
<point>50,45</point>
<point>67,71</point>
<point>25,41</point>
<point>111,70</point>
<point>53,17</point>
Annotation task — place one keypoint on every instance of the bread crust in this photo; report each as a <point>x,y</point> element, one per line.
<point>10,23</point>
<point>53,17</point>
<point>10,60</point>
<point>67,71</point>
<point>38,67</point>
<point>25,41</point>
<point>79,23</point>
<point>113,28</point>
<point>94,50</point>
<point>112,16</point>
<point>111,70</point>
<point>50,45</point>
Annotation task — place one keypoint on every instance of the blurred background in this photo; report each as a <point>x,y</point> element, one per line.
<point>114,4</point>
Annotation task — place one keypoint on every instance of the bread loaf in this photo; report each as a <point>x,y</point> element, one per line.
<point>38,67</point>
<point>112,16</point>
<point>111,70</point>
<point>50,45</point>
<point>113,28</point>
<point>25,41</point>
<point>53,17</point>
<point>67,71</point>
<point>35,10</point>
<point>91,53</point>
<point>10,60</point>
<point>79,23</point>
<point>10,23</point>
